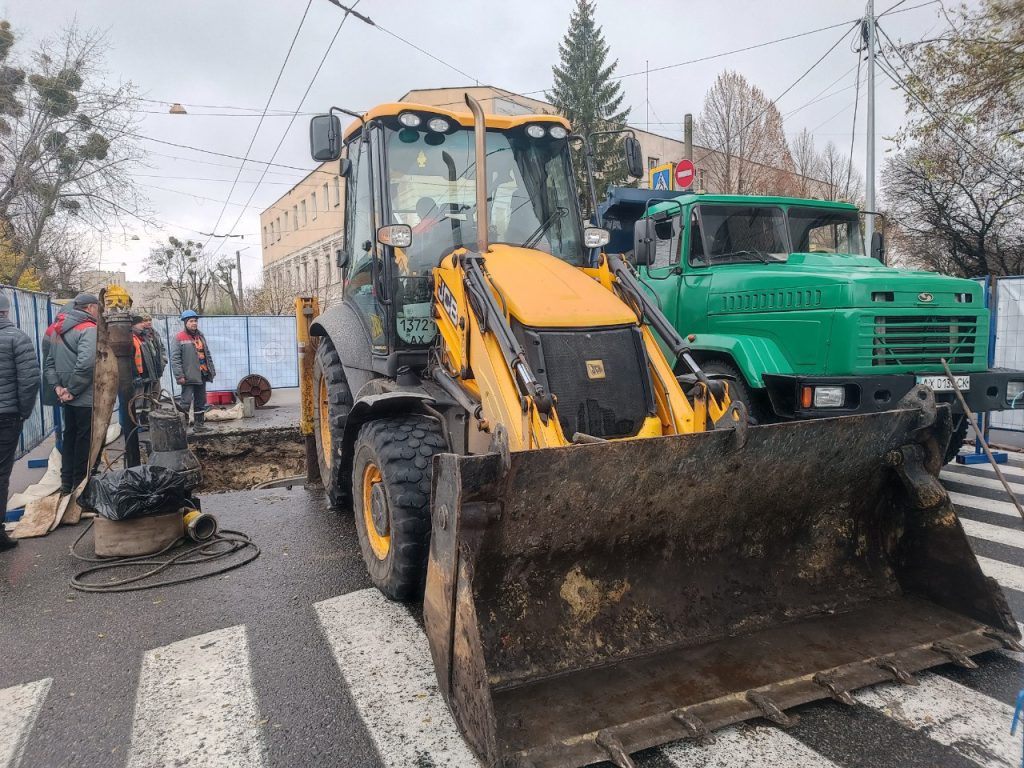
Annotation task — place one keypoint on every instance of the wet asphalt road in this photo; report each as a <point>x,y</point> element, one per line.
<point>90,644</point>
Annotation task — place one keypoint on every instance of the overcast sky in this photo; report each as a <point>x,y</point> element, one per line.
<point>223,57</point>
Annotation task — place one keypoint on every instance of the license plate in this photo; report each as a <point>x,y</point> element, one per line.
<point>941,383</point>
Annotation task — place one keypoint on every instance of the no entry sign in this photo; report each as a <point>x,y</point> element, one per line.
<point>685,174</point>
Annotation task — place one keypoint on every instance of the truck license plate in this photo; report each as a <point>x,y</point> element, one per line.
<point>941,383</point>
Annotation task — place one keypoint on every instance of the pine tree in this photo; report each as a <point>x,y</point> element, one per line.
<point>585,93</point>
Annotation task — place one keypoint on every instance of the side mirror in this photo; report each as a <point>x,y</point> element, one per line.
<point>325,138</point>
<point>341,258</point>
<point>396,235</point>
<point>634,157</point>
<point>644,242</point>
<point>345,168</point>
<point>878,246</point>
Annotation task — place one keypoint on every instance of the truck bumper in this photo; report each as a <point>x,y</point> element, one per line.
<point>869,394</point>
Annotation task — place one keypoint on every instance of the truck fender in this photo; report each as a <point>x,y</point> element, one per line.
<point>342,325</point>
<point>372,403</point>
<point>753,355</point>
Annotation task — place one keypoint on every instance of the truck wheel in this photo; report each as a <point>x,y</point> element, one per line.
<point>332,401</point>
<point>956,440</point>
<point>739,390</point>
<point>391,473</point>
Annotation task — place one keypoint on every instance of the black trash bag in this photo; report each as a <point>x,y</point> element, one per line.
<point>135,492</point>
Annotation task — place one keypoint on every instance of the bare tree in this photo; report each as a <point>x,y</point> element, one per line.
<point>223,275</point>
<point>951,214</point>
<point>66,257</point>
<point>837,179</point>
<point>270,298</point>
<point>807,164</point>
<point>748,152</point>
<point>66,142</point>
<point>185,271</point>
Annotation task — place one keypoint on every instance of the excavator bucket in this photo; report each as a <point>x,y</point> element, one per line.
<point>587,602</point>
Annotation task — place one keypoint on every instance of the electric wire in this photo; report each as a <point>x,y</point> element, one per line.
<point>853,128</point>
<point>291,122</point>
<point>266,107</point>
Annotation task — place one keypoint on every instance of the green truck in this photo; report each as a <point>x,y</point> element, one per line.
<point>777,295</point>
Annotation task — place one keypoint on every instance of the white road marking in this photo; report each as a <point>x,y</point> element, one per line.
<point>1011,471</point>
<point>1011,537</point>
<point>991,483</point>
<point>746,746</point>
<point>989,505</point>
<point>975,725</point>
<point>384,657</point>
<point>1008,576</point>
<point>19,708</point>
<point>195,705</point>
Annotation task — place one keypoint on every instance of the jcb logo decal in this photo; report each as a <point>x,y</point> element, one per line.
<point>444,295</point>
<point>595,369</point>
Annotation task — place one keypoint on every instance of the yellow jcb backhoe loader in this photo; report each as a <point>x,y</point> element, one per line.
<point>612,559</point>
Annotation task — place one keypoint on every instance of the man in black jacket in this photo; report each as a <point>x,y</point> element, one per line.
<point>19,390</point>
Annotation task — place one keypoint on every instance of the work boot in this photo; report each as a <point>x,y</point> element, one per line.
<point>6,542</point>
<point>199,426</point>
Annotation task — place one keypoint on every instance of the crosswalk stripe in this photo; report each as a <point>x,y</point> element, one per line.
<point>195,705</point>
<point>989,505</point>
<point>1008,576</point>
<point>746,747</point>
<point>19,708</point>
<point>997,533</point>
<point>976,726</point>
<point>1011,471</point>
<point>383,654</point>
<point>992,483</point>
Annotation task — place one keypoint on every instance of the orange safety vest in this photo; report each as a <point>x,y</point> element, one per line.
<point>139,367</point>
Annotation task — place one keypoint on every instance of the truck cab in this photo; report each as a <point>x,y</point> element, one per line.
<point>778,294</point>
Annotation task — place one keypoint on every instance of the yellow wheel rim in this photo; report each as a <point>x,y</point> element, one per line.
<point>325,424</point>
<point>380,541</point>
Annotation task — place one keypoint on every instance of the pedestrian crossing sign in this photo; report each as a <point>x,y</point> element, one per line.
<point>661,177</point>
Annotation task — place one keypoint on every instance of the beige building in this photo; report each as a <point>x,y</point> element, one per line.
<point>302,230</point>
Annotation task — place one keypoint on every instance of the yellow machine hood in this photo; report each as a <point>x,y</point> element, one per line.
<point>542,291</point>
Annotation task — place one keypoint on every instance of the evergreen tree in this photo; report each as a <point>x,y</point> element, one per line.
<point>584,92</point>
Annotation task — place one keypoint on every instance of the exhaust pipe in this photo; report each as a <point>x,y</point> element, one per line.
<point>480,135</point>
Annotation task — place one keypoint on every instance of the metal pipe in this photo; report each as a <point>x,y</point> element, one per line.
<point>869,196</point>
<point>480,135</point>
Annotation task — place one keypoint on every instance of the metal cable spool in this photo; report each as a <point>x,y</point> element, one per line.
<point>256,387</point>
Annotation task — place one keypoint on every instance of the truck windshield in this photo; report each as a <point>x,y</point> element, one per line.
<point>732,233</point>
<point>432,178</point>
<point>823,230</point>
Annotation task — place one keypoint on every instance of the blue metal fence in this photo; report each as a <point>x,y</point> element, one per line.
<point>241,345</point>
<point>33,312</point>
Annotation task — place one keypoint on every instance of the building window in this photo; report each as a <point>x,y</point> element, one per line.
<point>304,219</point>
<point>295,216</point>
<point>653,162</point>
<point>326,199</point>
<point>312,198</point>
<point>271,233</point>
<point>700,180</point>
<point>278,220</point>
<point>285,220</point>
<point>264,235</point>
<point>337,191</point>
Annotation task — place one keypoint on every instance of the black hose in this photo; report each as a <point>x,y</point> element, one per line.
<point>223,544</point>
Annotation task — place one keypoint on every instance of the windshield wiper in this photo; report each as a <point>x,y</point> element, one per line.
<point>761,256</point>
<point>539,233</point>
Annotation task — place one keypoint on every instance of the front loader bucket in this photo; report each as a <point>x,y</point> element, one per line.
<point>587,602</point>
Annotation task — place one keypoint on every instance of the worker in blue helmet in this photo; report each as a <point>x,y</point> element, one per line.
<point>192,367</point>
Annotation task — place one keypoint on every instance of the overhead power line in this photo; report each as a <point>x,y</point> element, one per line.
<point>255,133</point>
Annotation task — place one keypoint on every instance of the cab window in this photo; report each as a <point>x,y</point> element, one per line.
<point>666,248</point>
<point>361,247</point>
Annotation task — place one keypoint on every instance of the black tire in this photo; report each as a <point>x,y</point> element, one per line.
<point>755,402</point>
<point>401,450</point>
<point>330,388</point>
<point>956,440</point>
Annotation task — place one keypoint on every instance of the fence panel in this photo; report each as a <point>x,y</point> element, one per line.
<point>1009,351</point>
<point>32,312</point>
<point>241,345</point>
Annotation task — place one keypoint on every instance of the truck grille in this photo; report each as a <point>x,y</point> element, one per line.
<point>921,341</point>
<point>599,376</point>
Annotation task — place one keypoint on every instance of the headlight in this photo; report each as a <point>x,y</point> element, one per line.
<point>1015,393</point>
<point>535,131</point>
<point>437,124</point>
<point>558,132</point>
<point>595,237</point>
<point>409,120</point>
<point>829,397</point>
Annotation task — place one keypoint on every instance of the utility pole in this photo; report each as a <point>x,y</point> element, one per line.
<point>238,264</point>
<point>688,136</point>
<point>869,177</point>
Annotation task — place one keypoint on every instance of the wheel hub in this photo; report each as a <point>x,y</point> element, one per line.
<point>379,510</point>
